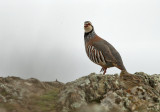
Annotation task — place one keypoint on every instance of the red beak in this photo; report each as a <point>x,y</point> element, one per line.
<point>85,25</point>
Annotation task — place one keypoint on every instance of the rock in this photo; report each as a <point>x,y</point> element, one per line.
<point>18,95</point>
<point>2,110</point>
<point>92,93</point>
<point>106,93</point>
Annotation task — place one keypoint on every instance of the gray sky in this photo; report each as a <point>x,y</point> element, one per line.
<point>44,38</point>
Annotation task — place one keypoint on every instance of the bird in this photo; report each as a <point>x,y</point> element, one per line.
<point>100,51</point>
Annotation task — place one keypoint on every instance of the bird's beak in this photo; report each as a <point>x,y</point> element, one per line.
<point>85,25</point>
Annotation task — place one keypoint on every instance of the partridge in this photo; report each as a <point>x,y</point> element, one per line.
<point>100,51</point>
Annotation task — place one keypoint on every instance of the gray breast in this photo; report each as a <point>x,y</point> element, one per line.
<point>88,36</point>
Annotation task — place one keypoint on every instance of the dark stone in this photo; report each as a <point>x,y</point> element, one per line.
<point>155,99</point>
<point>144,98</point>
<point>143,93</point>
<point>117,100</point>
<point>152,83</point>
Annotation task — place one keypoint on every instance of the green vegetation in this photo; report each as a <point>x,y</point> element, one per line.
<point>37,103</point>
<point>47,101</point>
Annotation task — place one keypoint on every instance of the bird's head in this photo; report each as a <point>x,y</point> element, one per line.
<point>88,26</point>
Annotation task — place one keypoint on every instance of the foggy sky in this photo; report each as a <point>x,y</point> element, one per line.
<point>44,38</point>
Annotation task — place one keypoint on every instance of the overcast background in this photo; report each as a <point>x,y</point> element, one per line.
<point>44,38</point>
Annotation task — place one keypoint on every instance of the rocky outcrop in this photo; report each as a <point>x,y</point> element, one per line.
<point>93,93</point>
<point>19,95</point>
<point>107,93</point>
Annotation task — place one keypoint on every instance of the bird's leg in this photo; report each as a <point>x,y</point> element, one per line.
<point>101,70</point>
<point>105,69</point>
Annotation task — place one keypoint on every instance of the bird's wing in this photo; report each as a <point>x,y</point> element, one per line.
<point>110,53</point>
<point>106,49</point>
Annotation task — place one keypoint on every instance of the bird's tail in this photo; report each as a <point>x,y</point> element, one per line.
<point>124,72</point>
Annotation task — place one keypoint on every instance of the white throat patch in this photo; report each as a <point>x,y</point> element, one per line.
<point>88,29</point>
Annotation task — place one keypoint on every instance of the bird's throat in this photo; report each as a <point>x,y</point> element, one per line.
<point>88,29</point>
<point>89,35</point>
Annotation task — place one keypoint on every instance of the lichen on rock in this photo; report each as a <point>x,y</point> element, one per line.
<point>106,93</point>
<point>138,92</point>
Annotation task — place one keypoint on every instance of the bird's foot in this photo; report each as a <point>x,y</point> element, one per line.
<point>103,70</point>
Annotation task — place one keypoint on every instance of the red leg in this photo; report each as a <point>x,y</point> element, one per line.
<point>105,69</point>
